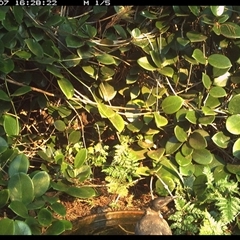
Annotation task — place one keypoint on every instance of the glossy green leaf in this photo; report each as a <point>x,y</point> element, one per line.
<point>21,188</point>
<point>74,41</point>
<point>3,145</point>
<point>192,116</point>
<point>230,30</point>
<point>19,164</point>
<point>202,156</point>
<point>60,125</point>
<point>44,217</point>
<point>172,145</point>
<point>166,71</point>
<point>186,149</point>
<point>107,91</point>
<point>144,63</point>
<point>160,188</point>
<point>37,34</point>
<point>106,59</point>
<point>66,87</point>
<point>221,140</point>
<point>219,61</point>
<point>206,120</point>
<point>160,120</point>
<point>23,54</point>
<point>195,10</point>
<point>156,154</point>
<point>187,170</point>
<point>81,192</point>
<point>233,168</point>
<point>41,183</point>
<point>54,20</point>
<point>34,47</point>
<point>212,102</point>
<point>80,158</point>
<point>234,104</point>
<point>217,92</point>
<point>136,32</point>
<point>19,208</point>
<point>194,36</point>
<point>236,149</point>
<point>197,141</point>
<point>59,186</point>
<point>199,56</point>
<point>232,124</point>
<point>4,96</point>
<point>21,228</point>
<point>83,173</point>
<point>7,226</point>
<point>74,137</point>
<point>172,104</point>
<point>54,70</point>
<point>6,66</point>
<point>120,30</point>
<point>4,197</point>
<point>105,110</point>
<point>71,60</point>
<point>180,133</point>
<point>59,208</point>
<point>182,160</point>
<point>21,91</point>
<point>67,224</point>
<point>56,228</point>
<point>156,57</point>
<point>89,70</point>
<point>11,125</point>
<point>107,71</point>
<point>117,122</point>
<point>9,38</point>
<point>217,10</point>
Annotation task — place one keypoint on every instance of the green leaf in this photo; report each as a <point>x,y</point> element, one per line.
<point>166,71</point>
<point>19,208</point>
<point>45,217</point>
<point>187,170</point>
<point>160,120</point>
<point>21,228</point>
<point>56,228</point>
<point>71,60</point>
<point>180,134</point>
<point>219,61</point>
<point>143,62</point>
<point>233,168</point>
<point>7,226</point>
<point>206,81</point>
<point>21,91</point>
<point>234,104</point>
<point>232,124</point>
<point>217,10</point>
<point>186,150</point>
<point>202,156</point>
<point>117,121</point>
<point>6,66</point>
<point>192,116</point>
<point>105,110</point>
<point>11,125</point>
<point>55,71</point>
<point>74,41</point>
<point>3,145</point>
<point>34,47</point>
<point>156,57</point>
<point>156,154</point>
<point>197,141</point>
<point>236,149</point>
<point>172,145</point>
<point>80,158</point>
<point>107,91</point>
<point>230,30</point>
<point>19,164</point>
<point>4,96</point>
<point>4,197</point>
<point>199,56</point>
<point>21,187</point>
<point>59,208</point>
<point>182,160</point>
<point>41,183</point>
<point>195,10</point>
<point>18,13</point>
<point>23,54</point>
<point>91,30</point>
<point>74,137</point>
<point>120,30</point>
<point>194,36</point>
<point>66,87</point>
<point>82,192</point>
<point>172,104</point>
<point>54,20</point>
<point>60,125</point>
<point>106,59</point>
<point>160,188</point>
<point>217,92</point>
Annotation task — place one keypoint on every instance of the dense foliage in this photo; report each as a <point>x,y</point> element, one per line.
<point>132,92</point>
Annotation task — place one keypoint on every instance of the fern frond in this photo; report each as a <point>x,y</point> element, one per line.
<point>229,208</point>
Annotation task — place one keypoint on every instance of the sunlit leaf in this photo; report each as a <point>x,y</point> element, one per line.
<point>80,158</point>
<point>117,122</point>
<point>41,183</point>
<point>217,10</point>
<point>81,192</point>
<point>74,137</point>
<point>160,120</point>
<point>172,104</point>
<point>236,149</point>
<point>172,145</point>
<point>197,141</point>
<point>59,125</point>
<point>66,87</point>
<point>107,91</point>
<point>21,228</point>
<point>194,36</point>
<point>219,61</point>
<point>156,154</point>
<point>232,124</point>
<point>144,63</point>
<point>234,104</point>
<point>217,92</point>
<point>19,208</point>
<point>230,30</point>
<point>182,160</point>
<point>180,133</point>
<point>11,125</point>
<point>106,59</point>
<point>166,182</point>
<point>202,156</point>
<point>45,217</point>
<point>19,164</point>
<point>199,56</point>
<point>7,226</point>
